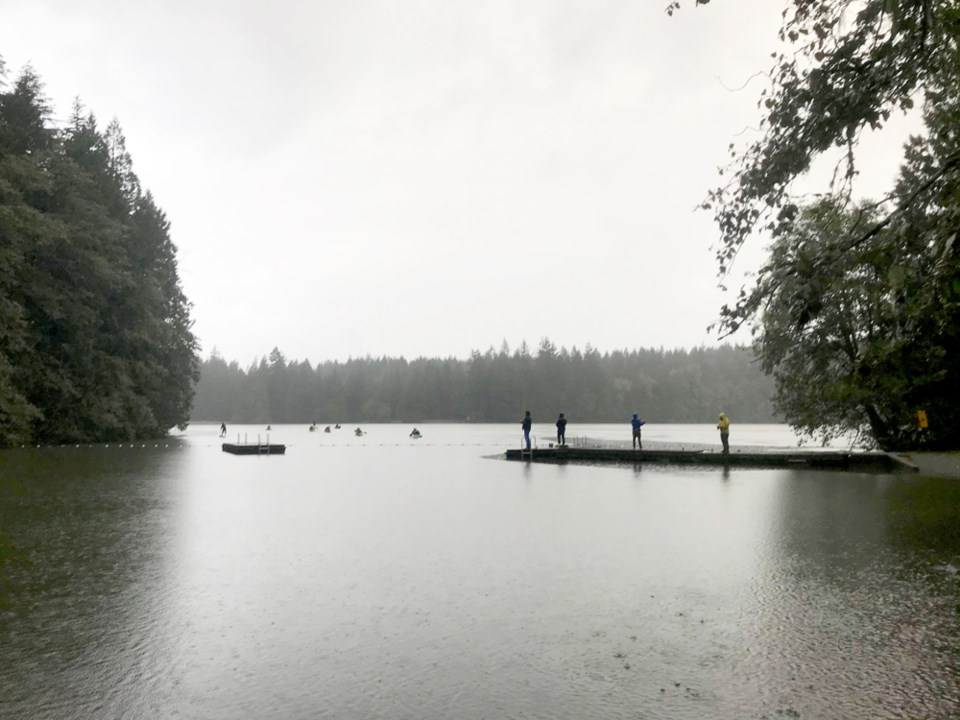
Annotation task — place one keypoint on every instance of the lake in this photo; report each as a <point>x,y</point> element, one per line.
<point>383,577</point>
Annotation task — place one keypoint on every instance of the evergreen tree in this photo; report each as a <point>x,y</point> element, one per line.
<point>97,341</point>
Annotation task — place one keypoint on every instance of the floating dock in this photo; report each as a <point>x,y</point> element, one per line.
<point>821,460</point>
<point>254,448</point>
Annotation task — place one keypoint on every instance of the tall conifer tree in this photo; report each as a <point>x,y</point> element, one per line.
<point>98,344</point>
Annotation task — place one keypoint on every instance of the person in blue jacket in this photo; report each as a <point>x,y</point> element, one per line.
<point>636,423</point>
<point>561,430</point>
<point>526,425</point>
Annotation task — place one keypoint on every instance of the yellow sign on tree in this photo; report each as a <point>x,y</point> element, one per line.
<point>922,418</point>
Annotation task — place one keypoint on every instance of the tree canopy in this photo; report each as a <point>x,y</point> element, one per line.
<point>857,343</point>
<point>844,67</point>
<point>95,329</point>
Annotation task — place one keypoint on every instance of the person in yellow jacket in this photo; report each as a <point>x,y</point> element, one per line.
<point>724,427</point>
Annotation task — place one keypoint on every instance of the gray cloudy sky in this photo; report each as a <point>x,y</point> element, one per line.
<point>420,177</point>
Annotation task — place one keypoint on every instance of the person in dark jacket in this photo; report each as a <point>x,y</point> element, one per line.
<point>636,423</point>
<point>526,425</point>
<point>561,430</point>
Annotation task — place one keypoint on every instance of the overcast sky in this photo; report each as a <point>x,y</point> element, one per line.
<point>421,177</point>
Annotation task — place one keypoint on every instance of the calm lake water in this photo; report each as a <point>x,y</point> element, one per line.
<point>381,577</point>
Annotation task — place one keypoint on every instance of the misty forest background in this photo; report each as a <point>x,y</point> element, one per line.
<point>668,386</point>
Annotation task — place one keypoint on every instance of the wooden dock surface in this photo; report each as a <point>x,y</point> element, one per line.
<point>857,461</point>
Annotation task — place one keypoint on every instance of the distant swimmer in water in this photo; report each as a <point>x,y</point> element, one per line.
<point>337,426</point>
<point>358,432</point>
<point>415,434</point>
<point>327,429</point>
<point>269,428</point>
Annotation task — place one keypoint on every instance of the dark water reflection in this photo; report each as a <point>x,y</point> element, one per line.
<point>390,579</point>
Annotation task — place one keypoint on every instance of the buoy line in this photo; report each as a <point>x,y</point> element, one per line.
<point>184,446</point>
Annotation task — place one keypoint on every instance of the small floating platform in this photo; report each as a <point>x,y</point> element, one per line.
<point>821,460</point>
<point>254,449</point>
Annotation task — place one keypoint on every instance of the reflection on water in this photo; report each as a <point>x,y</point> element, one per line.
<point>385,577</point>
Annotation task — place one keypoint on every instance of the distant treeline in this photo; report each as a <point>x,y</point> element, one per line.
<point>677,386</point>
<point>95,340</point>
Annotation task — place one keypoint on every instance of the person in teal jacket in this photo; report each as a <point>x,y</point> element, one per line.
<point>636,423</point>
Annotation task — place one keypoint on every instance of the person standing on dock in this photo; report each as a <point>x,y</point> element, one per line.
<point>724,427</point>
<point>526,425</point>
<point>636,423</point>
<point>561,430</point>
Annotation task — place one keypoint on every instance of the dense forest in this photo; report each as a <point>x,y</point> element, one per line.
<point>95,338</point>
<point>495,386</point>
